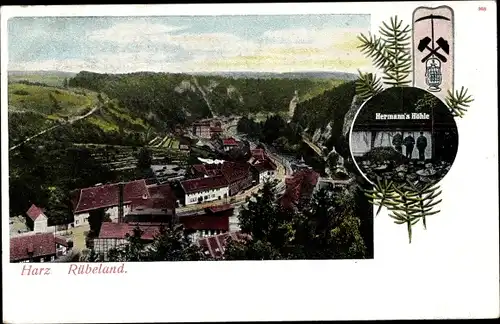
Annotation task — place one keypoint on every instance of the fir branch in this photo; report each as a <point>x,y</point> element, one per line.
<point>368,85</point>
<point>425,197</point>
<point>404,208</point>
<point>390,52</point>
<point>458,102</point>
<point>381,194</point>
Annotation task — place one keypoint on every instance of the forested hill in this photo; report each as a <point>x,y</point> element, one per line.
<point>323,116</point>
<point>179,98</point>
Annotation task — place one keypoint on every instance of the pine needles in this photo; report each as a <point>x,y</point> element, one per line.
<point>458,102</point>
<point>381,194</point>
<point>406,203</point>
<point>390,52</point>
<point>368,85</point>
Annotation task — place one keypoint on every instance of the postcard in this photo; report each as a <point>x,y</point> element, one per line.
<point>319,158</point>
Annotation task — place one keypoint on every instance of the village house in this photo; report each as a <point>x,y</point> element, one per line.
<point>215,246</point>
<point>36,219</point>
<point>207,128</point>
<point>197,223</point>
<point>107,197</point>
<point>265,167</point>
<point>167,172</point>
<point>158,208</point>
<point>229,143</point>
<point>113,235</point>
<point>184,143</point>
<point>216,131</point>
<point>202,129</point>
<point>299,188</point>
<point>206,222</point>
<point>216,181</point>
<point>38,247</point>
<point>266,170</point>
<point>205,189</point>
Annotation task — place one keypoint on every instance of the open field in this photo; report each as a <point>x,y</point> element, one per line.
<point>168,142</point>
<point>78,236</point>
<point>51,79</point>
<point>52,102</point>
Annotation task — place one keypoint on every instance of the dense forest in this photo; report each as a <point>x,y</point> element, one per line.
<point>330,108</point>
<point>175,99</point>
<point>46,172</point>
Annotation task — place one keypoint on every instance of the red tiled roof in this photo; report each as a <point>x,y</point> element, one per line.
<point>258,154</point>
<point>230,142</point>
<point>110,230</point>
<point>161,196</point>
<point>235,171</point>
<point>202,123</point>
<point>108,195</point>
<point>216,245</point>
<point>34,212</point>
<point>195,185</point>
<point>220,208</point>
<point>230,171</point>
<point>43,244</point>
<point>265,165</point>
<point>300,185</point>
<point>205,222</point>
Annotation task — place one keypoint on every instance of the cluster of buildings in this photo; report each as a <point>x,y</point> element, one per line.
<point>207,128</point>
<point>218,181</point>
<point>176,195</point>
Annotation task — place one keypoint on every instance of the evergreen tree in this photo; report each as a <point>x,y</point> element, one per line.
<point>172,244</point>
<point>133,251</point>
<point>144,159</point>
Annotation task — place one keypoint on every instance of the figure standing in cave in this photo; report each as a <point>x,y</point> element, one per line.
<point>409,144</point>
<point>421,145</point>
<point>397,141</point>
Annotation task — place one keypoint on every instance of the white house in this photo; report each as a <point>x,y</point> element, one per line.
<point>266,168</point>
<point>205,189</point>
<point>36,220</point>
<point>230,143</point>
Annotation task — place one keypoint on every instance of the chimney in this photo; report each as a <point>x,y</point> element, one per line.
<point>120,202</point>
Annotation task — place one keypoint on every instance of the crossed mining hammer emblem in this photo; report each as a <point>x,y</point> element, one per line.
<point>441,43</point>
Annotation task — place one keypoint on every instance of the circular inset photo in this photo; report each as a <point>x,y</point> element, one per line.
<point>404,134</point>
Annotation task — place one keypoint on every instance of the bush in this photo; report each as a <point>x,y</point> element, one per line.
<point>21,92</point>
<point>381,154</point>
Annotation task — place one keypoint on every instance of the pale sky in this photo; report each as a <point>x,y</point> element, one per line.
<point>283,43</point>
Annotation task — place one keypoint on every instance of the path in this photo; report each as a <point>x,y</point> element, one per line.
<point>312,145</point>
<point>70,121</point>
<point>204,95</point>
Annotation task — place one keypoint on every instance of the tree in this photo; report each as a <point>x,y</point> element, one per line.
<point>96,217</point>
<point>172,244</point>
<point>133,251</point>
<point>259,218</point>
<point>65,83</point>
<point>58,207</point>
<point>251,250</point>
<point>328,228</point>
<point>324,228</point>
<point>144,159</point>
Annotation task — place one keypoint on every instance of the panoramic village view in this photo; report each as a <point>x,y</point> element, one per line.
<point>185,138</point>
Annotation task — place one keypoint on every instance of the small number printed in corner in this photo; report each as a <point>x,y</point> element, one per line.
<point>481,8</point>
